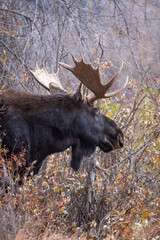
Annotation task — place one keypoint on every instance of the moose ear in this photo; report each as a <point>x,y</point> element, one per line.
<point>77,97</point>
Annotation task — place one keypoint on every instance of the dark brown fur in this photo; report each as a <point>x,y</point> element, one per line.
<point>45,124</point>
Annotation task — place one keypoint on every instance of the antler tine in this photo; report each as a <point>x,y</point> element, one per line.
<point>50,82</point>
<point>67,66</point>
<point>109,84</point>
<point>74,59</point>
<point>92,98</point>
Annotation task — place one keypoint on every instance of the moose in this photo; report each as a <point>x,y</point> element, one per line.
<point>46,124</point>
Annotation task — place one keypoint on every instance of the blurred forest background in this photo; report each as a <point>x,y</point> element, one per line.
<point>122,200</point>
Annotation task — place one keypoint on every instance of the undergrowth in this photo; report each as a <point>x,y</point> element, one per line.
<point>121,203</point>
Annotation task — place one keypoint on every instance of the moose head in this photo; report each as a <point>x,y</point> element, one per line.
<point>92,129</point>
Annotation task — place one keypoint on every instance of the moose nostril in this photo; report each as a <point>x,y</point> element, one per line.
<point>120,139</point>
<point>120,143</point>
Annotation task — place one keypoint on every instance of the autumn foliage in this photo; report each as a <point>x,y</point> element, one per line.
<point>123,200</point>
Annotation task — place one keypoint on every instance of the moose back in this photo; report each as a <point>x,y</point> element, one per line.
<point>40,125</point>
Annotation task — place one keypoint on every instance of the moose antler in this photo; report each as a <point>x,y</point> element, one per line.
<point>49,81</point>
<point>90,77</point>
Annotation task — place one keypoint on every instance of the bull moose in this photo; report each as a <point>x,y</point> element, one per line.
<point>46,124</point>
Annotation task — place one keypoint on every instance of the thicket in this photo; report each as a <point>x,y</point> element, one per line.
<point>113,196</point>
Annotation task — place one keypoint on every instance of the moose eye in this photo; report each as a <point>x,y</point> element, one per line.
<point>95,110</point>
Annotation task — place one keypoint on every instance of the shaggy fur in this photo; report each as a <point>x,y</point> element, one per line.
<point>47,124</point>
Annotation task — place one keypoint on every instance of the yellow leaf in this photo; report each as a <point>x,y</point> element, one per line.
<point>4,59</point>
<point>12,77</point>
<point>2,87</point>
<point>119,176</point>
<point>58,236</point>
<point>56,189</point>
<point>40,197</point>
<point>145,214</point>
<point>69,90</point>
<point>18,176</point>
<point>109,115</point>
